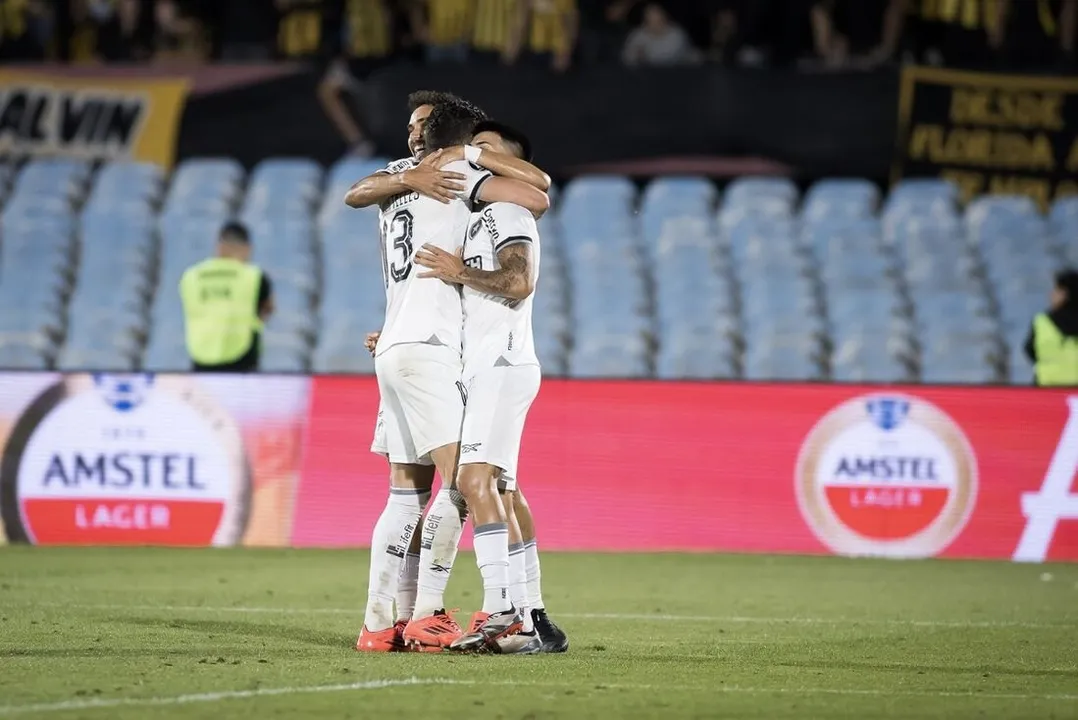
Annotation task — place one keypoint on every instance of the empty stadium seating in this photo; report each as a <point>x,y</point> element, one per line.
<point>674,280</point>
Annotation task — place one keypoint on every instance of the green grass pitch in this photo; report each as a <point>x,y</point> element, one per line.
<point>154,633</point>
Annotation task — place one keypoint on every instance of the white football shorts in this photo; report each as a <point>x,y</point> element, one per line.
<point>422,401</point>
<point>498,402</point>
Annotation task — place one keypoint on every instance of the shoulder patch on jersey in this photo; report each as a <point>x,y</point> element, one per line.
<point>399,165</point>
<point>474,229</point>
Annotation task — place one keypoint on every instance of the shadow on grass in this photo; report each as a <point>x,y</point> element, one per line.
<point>276,631</point>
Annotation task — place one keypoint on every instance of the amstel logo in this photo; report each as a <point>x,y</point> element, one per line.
<point>886,475</point>
<point>125,459</point>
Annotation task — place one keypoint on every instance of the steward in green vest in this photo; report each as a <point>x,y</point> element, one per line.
<point>225,301</point>
<point>1053,339</point>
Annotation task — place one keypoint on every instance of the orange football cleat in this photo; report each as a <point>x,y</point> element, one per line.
<point>433,633</point>
<point>388,640</point>
<point>478,618</point>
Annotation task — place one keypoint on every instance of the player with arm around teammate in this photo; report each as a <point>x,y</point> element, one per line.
<point>418,363</point>
<point>497,267</point>
<point>410,482</point>
<point>502,150</point>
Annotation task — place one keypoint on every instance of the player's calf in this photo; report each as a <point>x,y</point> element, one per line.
<point>478,483</point>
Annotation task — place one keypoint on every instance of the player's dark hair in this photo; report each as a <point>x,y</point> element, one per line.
<point>235,231</point>
<point>518,141</point>
<point>430,97</point>
<point>451,123</point>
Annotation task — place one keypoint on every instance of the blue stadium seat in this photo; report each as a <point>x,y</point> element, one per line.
<point>828,200</point>
<point>769,192</point>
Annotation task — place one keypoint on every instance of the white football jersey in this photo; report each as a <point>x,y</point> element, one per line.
<point>427,309</point>
<point>497,330</point>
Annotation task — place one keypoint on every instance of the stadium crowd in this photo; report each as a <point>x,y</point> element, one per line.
<point>1017,34</point>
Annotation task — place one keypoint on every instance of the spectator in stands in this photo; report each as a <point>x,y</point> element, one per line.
<point>1053,340</point>
<point>658,42</point>
<point>855,32</point>
<point>364,44</point>
<point>244,30</point>
<point>770,32</point>
<point>953,33</point>
<point>181,31</point>
<point>1035,34</point>
<point>546,31</point>
<point>723,30</point>
<point>444,27</point>
<point>604,25</point>
<point>492,30</point>
<point>225,301</point>
<point>120,29</point>
<point>24,29</point>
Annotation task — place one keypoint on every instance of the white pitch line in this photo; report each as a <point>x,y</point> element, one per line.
<point>656,617</point>
<point>106,703</point>
<point>97,703</point>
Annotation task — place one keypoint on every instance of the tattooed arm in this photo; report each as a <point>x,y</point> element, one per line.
<point>514,280</point>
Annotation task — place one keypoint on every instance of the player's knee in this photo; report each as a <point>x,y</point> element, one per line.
<point>477,481</point>
<point>418,477</point>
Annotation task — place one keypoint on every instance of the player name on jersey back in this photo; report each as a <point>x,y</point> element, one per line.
<point>423,309</point>
<point>497,329</point>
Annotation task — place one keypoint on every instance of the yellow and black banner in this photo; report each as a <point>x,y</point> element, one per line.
<point>91,117</point>
<point>989,133</point>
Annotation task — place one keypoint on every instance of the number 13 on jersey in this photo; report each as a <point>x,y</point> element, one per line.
<point>397,246</point>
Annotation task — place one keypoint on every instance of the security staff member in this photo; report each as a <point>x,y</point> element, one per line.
<point>1053,340</point>
<point>225,301</point>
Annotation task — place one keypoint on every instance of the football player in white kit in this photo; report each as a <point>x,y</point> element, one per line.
<point>497,267</point>
<point>409,482</point>
<point>417,358</point>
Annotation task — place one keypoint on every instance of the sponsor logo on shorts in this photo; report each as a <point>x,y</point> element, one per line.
<point>886,475</point>
<point>470,447</point>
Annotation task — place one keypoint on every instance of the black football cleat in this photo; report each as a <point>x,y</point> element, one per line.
<point>554,640</point>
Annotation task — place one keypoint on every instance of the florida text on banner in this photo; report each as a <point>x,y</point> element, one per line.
<point>88,117</point>
<point>989,133</point>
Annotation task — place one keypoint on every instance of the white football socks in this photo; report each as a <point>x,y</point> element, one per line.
<point>407,587</point>
<point>492,557</point>
<point>389,544</point>
<point>533,575</point>
<point>438,550</point>
<point>518,583</point>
